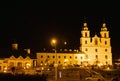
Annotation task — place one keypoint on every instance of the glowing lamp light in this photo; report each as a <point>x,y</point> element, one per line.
<point>5,69</point>
<point>53,42</point>
<point>28,65</point>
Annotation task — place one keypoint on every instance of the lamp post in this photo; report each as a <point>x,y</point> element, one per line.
<point>56,65</point>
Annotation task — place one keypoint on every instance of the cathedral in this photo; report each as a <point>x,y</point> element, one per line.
<point>98,49</point>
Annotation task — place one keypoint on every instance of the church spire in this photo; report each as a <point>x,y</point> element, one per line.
<point>85,32</point>
<point>104,28</point>
<point>85,25</point>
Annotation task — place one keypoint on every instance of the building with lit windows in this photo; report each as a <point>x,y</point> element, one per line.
<point>19,59</point>
<point>63,59</point>
<point>97,48</point>
<point>93,51</point>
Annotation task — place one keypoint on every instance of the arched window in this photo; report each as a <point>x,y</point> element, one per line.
<point>105,42</point>
<point>105,35</point>
<point>59,62</point>
<point>105,50</point>
<point>85,34</point>
<point>81,57</point>
<point>41,56</point>
<point>96,50</point>
<point>106,57</point>
<point>27,65</point>
<point>96,56</point>
<point>53,56</point>
<point>96,42</point>
<point>58,56</point>
<point>64,56</point>
<point>86,42</point>
<point>11,64</point>
<point>86,49</point>
<point>48,56</point>
<point>19,64</point>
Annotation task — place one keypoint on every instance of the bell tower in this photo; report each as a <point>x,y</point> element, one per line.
<point>85,37</point>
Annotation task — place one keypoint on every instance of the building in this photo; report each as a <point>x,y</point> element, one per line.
<point>19,59</point>
<point>93,51</point>
<point>98,48</point>
<point>64,59</point>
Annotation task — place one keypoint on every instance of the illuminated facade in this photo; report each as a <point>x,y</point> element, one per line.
<point>63,59</point>
<point>19,60</point>
<point>94,51</point>
<point>97,48</point>
<point>18,63</point>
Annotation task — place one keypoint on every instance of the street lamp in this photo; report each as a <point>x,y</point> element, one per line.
<point>53,43</point>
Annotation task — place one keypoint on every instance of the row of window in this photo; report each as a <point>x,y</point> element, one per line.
<point>60,62</point>
<point>87,34</point>
<point>106,57</point>
<point>60,57</point>
<point>96,50</point>
<point>96,42</point>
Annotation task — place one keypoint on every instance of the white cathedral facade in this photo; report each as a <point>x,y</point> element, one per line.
<point>98,49</point>
<point>93,51</point>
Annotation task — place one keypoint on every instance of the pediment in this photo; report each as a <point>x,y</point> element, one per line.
<point>28,58</point>
<point>12,57</point>
<point>20,58</point>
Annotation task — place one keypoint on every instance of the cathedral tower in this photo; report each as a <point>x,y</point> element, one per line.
<point>97,48</point>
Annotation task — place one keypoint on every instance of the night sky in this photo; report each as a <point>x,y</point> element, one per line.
<point>34,27</point>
